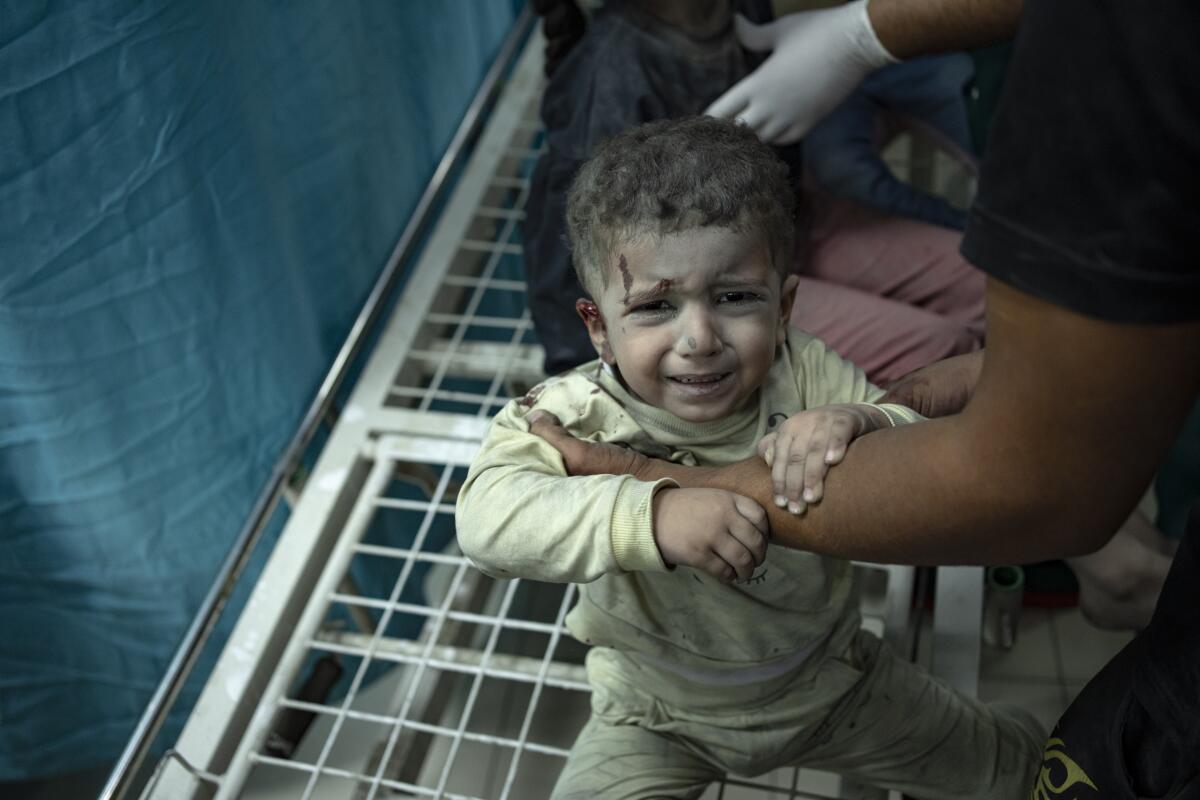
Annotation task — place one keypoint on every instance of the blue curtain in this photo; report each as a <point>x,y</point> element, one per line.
<point>195,198</point>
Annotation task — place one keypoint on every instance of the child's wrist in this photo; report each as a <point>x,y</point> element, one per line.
<point>632,529</point>
<point>659,515</point>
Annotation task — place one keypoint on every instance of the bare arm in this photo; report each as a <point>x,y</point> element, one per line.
<point>1067,424</point>
<point>911,28</point>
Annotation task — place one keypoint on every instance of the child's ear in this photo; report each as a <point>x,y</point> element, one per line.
<point>787,296</point>
<point>589,312</point>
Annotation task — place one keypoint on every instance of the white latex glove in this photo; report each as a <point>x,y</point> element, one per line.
<point>819,57</point>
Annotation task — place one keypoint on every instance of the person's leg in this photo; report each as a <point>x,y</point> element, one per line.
<point>886,338</point>
<point>627,762</point>
<point>902,259</point>
<point>1119,584</point>
<point>631,746</point>
<point>902,729</point>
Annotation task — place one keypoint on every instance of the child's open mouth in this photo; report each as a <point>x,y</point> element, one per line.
<point>700,384</point>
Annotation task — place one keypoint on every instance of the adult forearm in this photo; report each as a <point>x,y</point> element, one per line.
<point>911,28</point>
<point>1065,429</point>
<point>895,498</point>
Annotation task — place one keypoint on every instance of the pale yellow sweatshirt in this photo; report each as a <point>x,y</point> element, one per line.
<point>520,516</point>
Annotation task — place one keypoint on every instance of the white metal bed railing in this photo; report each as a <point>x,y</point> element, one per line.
<point>460,648</point>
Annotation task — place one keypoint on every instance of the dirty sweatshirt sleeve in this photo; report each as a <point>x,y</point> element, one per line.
<point>519,515</point>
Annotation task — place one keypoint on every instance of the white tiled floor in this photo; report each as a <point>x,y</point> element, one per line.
<point>1056,653</point>
<point>1084,649</point>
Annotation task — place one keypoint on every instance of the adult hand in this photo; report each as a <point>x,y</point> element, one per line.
<point>940,389</point>
<point>819,57</point>
<point>712,530</point>
<point>582,457</point>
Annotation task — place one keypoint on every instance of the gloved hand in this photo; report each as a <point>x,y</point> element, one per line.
<point>819,57</point>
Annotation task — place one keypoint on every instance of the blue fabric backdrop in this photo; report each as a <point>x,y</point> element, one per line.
<point>195,198</point>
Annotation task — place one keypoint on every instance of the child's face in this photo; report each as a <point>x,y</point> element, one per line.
<point>692,319</point>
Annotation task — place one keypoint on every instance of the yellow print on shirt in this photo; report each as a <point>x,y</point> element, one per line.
<point>1060,775</point>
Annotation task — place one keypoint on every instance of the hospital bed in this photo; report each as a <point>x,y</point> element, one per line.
<point>431,679</point>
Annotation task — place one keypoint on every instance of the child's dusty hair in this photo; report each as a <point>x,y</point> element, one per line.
<point>675,175</point>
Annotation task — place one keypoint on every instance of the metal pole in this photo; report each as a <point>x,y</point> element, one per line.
<point>125,771</point>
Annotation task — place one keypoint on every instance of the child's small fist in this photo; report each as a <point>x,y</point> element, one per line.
<point>712,530</point>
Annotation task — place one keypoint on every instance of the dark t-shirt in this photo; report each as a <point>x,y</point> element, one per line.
<point>1089,198</point>
<point>1090,188</point>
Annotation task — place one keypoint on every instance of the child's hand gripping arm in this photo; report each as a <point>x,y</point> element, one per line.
<point>519,515</point>
<point>809,443</point>
<point>712,530</point>
<point>526,521</point>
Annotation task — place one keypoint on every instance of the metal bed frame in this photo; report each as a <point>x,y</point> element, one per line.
<point>461,647</point>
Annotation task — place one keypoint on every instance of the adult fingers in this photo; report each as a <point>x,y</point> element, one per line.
<point>794,133</point>
<point>772,128</point>
<point>902,391</point>
<point>543,418</point>
<point>547,426</point>
<point>573,451</point>
<point>756,116</point>
<point>735,100</point>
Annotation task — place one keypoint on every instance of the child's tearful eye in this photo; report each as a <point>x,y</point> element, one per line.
<point>737,298</point>
<point>656,307</point>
